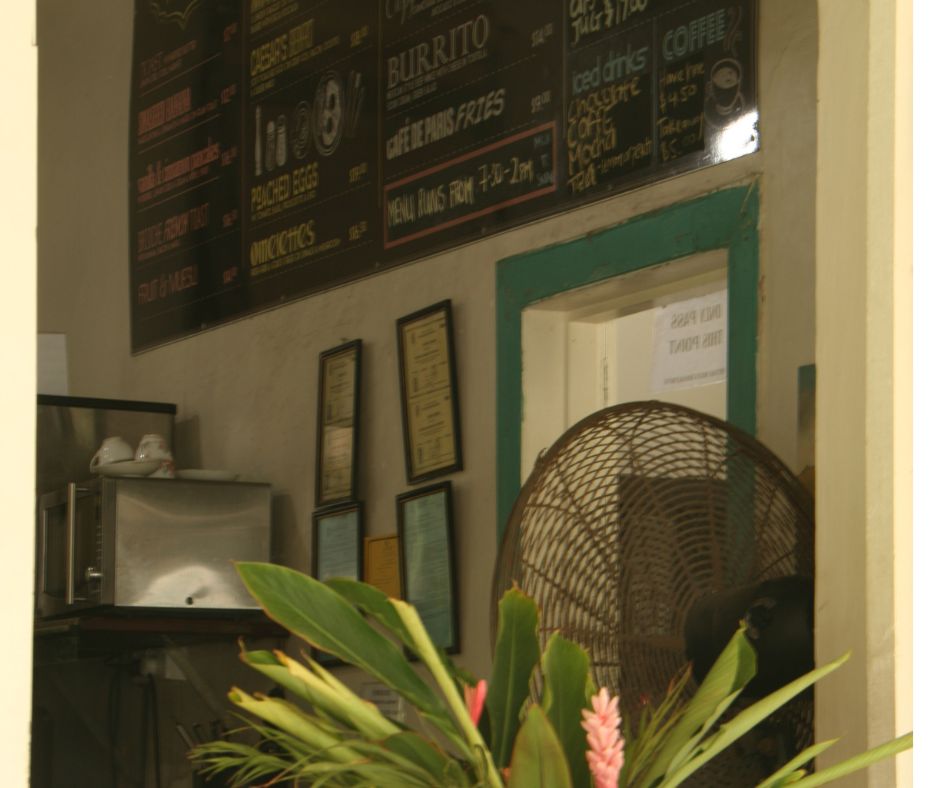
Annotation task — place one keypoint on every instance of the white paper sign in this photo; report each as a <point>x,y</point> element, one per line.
<point>690,343</point>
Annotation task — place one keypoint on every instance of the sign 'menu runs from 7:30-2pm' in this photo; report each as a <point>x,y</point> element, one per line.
<point>280,147</point>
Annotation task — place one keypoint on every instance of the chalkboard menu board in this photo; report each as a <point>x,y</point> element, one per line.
<point>280,147</point>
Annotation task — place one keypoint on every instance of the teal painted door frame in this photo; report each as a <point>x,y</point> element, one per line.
<point>726,219</point>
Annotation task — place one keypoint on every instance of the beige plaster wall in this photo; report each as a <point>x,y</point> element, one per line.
<point>246,391</point>
<point>17,398</point>
<point>864,428</point>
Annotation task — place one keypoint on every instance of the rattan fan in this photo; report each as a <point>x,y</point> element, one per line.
<point>633,515</point>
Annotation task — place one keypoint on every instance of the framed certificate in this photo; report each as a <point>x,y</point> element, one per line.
<point>426,549</point>
<point>381,564</point>
<point>428,381</point>
<point>337,542</point>
<point>338,423</point>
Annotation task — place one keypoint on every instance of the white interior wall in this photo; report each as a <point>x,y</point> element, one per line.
<point>593,347</point>
<point>246,391</point>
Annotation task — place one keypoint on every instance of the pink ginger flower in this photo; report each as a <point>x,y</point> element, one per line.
<point>605,742</point>
<point>474,697</point>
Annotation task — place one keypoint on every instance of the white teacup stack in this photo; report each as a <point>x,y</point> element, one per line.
<point>113,449</point>
<point>153,447</point>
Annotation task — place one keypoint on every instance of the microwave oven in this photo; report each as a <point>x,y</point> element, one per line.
<point>148,543</point>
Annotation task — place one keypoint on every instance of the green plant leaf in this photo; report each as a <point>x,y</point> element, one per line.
<point>566,691</point>
<point>375,603</point>
<point>268,665</point>
<point>516,654</point>
<point>537,758</point>
<point>324,619</point>
<point>337,701</point>
<point>640,752</point>
<point>861,761</point>
<point>471,742</point>
<point>748,718</point>
<point>424,754</point>
<point>783,775</point>
<point>734,668</point>
<point>303,727</point>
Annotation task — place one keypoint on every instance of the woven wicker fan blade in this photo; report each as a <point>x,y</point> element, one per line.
<point>630,517</point>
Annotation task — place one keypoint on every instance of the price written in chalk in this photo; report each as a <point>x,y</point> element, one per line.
<point>541,34</point>
<point>541,100</point>
<point>358,230</point>
<point>229,218</point>
<point>229,155</point>
<point>358,36</point>
<point>358,172</point>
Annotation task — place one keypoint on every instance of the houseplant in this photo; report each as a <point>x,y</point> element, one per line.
<point>331,737</point>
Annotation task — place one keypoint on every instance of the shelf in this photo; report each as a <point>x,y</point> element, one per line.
<point>102,634</point>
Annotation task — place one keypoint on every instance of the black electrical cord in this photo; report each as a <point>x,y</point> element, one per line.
<point>152,685</point>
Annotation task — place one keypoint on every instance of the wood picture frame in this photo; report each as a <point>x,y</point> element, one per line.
<point>430,409</point>
<point>427,561</point>
<point>338,424</point>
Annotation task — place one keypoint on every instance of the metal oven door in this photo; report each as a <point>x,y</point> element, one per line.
<point>69,550</point>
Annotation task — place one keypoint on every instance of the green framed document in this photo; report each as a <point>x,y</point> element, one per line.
<point>428,567</point>
<point>338,542</point>
<point>337,552</point>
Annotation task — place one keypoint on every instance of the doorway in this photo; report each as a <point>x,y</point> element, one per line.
<point>717,232</point>
<point>656,333</point>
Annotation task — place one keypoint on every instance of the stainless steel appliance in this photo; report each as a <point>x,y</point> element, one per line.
<point>149,543</point>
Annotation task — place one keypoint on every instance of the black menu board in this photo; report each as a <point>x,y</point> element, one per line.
<point>281,147</point>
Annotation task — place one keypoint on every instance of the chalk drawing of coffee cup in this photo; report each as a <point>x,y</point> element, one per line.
<point>726,85</point>
<point>328,113</point>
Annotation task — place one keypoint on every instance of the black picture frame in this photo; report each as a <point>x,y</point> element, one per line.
<point>338,404</point>
<point>427,561</point>
<point>344,520</point>
<point>430,408</point>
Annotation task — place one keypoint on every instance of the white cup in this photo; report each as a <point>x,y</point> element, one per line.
<point>153,447</point>
<point>113,449</point>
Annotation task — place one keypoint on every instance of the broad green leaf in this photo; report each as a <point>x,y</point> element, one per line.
<point>291,720</point>
<point>471,742</point>
<point>748,718</point>
<point>860,761</point>
<point>327,621</point>
<point>516,654</point>
<point>792,766</point>
<point>267,664</point>
<point>338,702</point>
<point>566,692</point>
<point>734,668</point>
<point>537,758</point>
<point>424,754</point>
<point>687,749</point>
<point>374,602</point>
<point>640,752</point>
